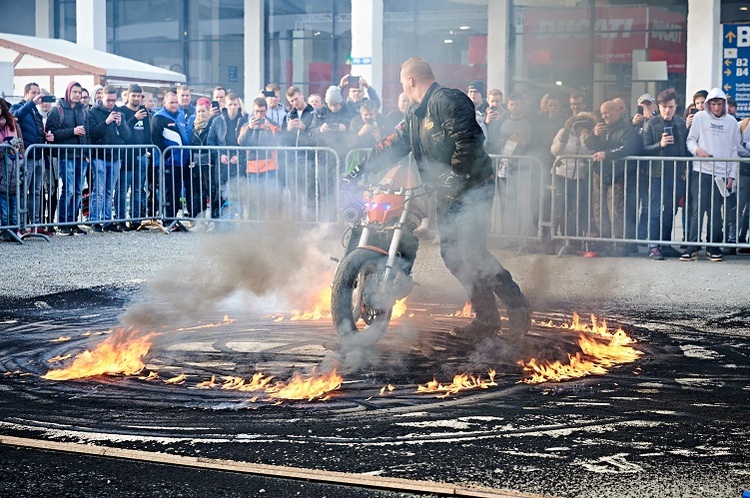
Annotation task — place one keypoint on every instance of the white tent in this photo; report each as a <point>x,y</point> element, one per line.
<point>53,63</point>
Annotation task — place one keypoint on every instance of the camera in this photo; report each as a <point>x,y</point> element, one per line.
<point>48,98</point>
<point>354,81</point>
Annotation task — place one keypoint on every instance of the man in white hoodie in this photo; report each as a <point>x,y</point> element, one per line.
<point>714,133</point>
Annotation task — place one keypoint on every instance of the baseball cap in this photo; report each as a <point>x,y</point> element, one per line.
<point>646,98</point>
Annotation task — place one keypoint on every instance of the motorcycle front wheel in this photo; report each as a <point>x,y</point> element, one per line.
<point>352,297</point>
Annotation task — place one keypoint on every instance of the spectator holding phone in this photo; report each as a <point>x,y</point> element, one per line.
<point>137,162</point>
<point>664,135</point>
<point>32,127</point>
<point>330,128</point>
<point>67,124</point>
<point>106,127</point>
<point>357,90</point>
<point>699,101</point>
<point>276,110</point>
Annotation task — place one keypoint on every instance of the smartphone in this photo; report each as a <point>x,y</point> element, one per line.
<point>48,98</point>
<point>693,110</point>
<point>215,104</point>
<point>493,108</point>
<point>261,121</point>
<point>353,80</point>
<point>602,122</point>
<point>668,130</point>
<point>268,93</point>
<point>141,107</point>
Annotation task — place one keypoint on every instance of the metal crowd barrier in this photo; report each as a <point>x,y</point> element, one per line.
<point>104,187</point>
<point>522,195</point>
<point>613,206</point>
<point>10,188</point>
<point>239,184</point>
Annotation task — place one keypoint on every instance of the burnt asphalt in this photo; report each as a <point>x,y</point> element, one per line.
<point>670,424</point>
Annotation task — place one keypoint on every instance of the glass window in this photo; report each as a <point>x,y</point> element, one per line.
<point>595,47</point>
<point>450,35</point>
<point>307,43</point>
<point>65,20</point>
<point>203,40</point>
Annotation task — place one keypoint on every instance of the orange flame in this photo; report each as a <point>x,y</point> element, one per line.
<point>465,312</point>
<point>387,389</point>
<point>120,353</point>
<point>321,309</point>
<point>461,382</point>
<point>298,388</point>
<point>595,357</point>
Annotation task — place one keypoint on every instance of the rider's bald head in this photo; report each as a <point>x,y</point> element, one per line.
<point>418,69</point>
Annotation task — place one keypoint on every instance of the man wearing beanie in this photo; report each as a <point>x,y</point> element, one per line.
<point>475,91</point>
<point>330,128</point>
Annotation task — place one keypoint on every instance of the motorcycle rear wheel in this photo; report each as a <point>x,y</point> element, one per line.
<point>353,315</point>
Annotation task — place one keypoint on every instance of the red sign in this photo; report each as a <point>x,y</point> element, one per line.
<point>562,36</point>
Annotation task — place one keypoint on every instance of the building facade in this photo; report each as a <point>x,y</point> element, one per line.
<point>607,48</point>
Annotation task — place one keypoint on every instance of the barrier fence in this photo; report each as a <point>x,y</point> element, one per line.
<point>660,201</point>
<point>234,184</point>
<point>578,204</point>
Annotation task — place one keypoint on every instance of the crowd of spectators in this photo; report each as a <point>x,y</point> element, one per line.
<point>597,193</point>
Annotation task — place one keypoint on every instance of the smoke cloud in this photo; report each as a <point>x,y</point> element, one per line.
<point>279,262</point>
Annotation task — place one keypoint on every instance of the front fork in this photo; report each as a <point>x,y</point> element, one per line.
<point>390,272</point>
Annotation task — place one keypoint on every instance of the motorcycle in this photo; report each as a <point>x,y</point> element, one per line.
<point>375,270</point>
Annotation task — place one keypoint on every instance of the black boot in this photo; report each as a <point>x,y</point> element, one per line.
<point>519,321</point>
<point>476,330</point>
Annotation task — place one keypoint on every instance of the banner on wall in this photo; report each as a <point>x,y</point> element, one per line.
<point>561,36</point>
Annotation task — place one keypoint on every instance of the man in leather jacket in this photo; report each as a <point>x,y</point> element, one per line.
<point>442,133</point>
<point>614,179</point>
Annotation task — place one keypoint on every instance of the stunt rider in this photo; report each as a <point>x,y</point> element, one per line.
<point>442,133</point>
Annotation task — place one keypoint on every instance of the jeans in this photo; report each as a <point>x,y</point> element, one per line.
<point>661,209</point>
<point>706,199</point>
<point>133,178</point>
<point>463,224</point>
<point>72,174</point>
<point>104,178</point>
<point>34,183</point>
<point>8,210</point>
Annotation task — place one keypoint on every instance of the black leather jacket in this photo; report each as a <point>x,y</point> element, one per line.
<point>443,134</point>
<point>620,141</point>
<point>652,132</point>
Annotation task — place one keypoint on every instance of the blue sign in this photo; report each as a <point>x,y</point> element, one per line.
<point>233,74</point>
<point>736,66</point>
<point>361,61</point>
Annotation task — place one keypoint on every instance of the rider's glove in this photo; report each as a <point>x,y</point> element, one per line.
<point>352,177</point>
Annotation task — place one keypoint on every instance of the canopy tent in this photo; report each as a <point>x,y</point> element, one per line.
<point>53,63</point>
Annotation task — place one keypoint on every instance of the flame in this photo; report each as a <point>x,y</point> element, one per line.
<point>225,321</point>
<point>321,309</point>
<point>178,380</point>
<point>389,388</point>
<point>465,312</point>
<point>152,375</point>
<point>120,353</point>
<point>310,388</point>
<point>60,358</point>
<point>62,338</point>
<point>461,382</point>
<point>298,388</point>
<point>595,358</point>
